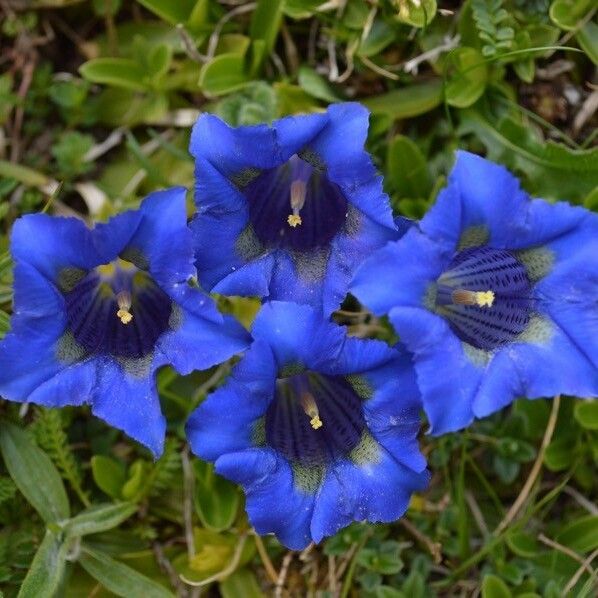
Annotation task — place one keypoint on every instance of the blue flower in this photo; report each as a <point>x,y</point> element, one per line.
<point>97,311</point>
<point>495,293</point>
<point>287,211</point>
<point>319,428</point>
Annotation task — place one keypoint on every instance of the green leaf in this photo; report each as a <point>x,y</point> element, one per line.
<point>265,22</point>
<point>241,583</point>
<point>586,413</point>
<point>47,569</point>
<point>408,101</point>
<point>554,170</point>
<point>108,474</point>
<point>225,73</point>
<point>522,544</point>
<point>216,499</point>
<point>468,75</point>
<point>34,474</point>
<point>418,16</point>
<point>159,60</point>
<point>23,174</point>
<point>99,518</point>
<point>581,535</point>
<point>118,72</point>
<point>587,37</point>
<point>407,168</point>
<point>495,587</point>
<point>173,11</point>
<point>315,85</point>
<point>568,13</point>
<point>118,578</point>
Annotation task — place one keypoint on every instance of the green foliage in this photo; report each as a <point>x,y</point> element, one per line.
<point>49,433</point>
<point>493,23</point>
<point>100,95</point>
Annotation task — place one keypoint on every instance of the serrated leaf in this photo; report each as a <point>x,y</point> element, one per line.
<point>47,569</point>
<point>98,518</point>
<point>119,578</point>
<point>34,474</point>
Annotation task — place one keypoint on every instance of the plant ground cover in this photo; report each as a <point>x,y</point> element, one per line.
<point>97,99</point>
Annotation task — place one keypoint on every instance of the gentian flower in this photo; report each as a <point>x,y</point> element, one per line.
<point>495,293</point>
<point>287,211</point>
<point>97,311</point>
<point>319,428</point>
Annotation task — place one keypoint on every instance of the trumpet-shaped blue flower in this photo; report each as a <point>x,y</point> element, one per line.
<point>495,293</point>
<point>97,311</point>
<point>287,211</point>
<point>319,428</point>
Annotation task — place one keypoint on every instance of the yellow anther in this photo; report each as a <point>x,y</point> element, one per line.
<point>124,316</point>
<point>479,298</point>
<point>298,194</point>
<point>316,422</point>
<point>294,220</point>
<point>485,298</point>
<point>124,305</point>
<point>311,410</point>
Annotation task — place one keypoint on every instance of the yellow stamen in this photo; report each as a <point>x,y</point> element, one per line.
<point>479,298</point>
<point>124,304</point>
<point>298,194</point>
<point>294,220</point>
<point>311,410</point>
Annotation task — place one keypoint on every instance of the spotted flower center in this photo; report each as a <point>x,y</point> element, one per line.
<point>485,295</point>
<point>117,309</point>
<point>314,419</point>
<point>295,206</point>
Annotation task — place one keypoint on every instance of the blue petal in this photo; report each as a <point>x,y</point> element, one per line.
<point>50,244</point>
<point>447,378</point>
<point>377,492</point>
<point>273,504</point>
<point>294,284</point>
<point>130,404</point>
<point>202,336</point>
<point>393,418</point>
<point>223,423</point>
<point>298,334</point>
<point>481,193</point>
<point>399,274</point>
<point>110,238</point>
<point>349,250</point>
<point>544,369</point>
<point>232,150</point>
<point>27,352</point>
<point>340,145</point>
<point>163,237</point>
<point>253,278</point>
